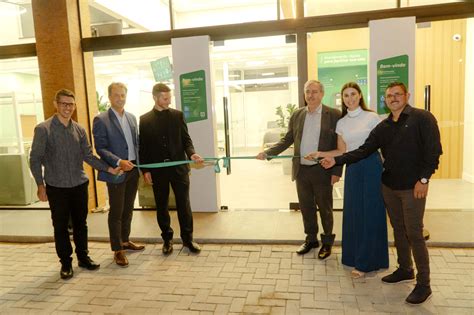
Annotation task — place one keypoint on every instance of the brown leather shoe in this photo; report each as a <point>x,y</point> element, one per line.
<point>132,246</point>
<point>120,258</point>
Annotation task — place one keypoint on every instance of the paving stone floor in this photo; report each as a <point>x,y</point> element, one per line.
<point>222,279</point>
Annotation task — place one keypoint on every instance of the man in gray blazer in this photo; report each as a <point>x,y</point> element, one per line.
<point>312,128</point>
<point>116,142</point>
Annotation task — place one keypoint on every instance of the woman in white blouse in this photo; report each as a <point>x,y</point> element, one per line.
<point>364,227</point>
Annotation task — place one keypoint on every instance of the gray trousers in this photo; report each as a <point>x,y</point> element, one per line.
<point>315,193</point>
<point>122,199</point>
<point>406,216</point>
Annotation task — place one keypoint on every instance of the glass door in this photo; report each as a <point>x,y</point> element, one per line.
<point>256,77</point>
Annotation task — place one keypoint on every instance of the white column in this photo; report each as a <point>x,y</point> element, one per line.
<point>391,38</point>
<point>192,54</point>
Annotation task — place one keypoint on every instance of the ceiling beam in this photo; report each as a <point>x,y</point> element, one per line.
<point>280,27</point>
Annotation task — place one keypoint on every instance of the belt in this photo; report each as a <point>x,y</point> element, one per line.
<point>304,165</point>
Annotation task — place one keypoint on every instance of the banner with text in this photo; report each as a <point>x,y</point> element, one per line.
<point>335,68</point>
<point>390,70</point>
<point>193,95</point>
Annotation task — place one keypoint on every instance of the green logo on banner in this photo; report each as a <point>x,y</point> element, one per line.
<point>162,69</point>
<point>193,96</point>
<point>390,70</point>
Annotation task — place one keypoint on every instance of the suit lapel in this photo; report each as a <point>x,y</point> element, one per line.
<point>300,124</point>
<point>324,125</point>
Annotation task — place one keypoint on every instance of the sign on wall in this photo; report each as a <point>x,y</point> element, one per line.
<point>162,70</point>
<point>390,70</point>
<point>335,68</point>
<point>193,95</point>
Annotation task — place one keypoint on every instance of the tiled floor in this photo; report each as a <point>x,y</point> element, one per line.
<point>222,279</point>
<point>247,266</point>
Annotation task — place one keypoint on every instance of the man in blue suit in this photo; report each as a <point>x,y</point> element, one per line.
<point>116,142</point>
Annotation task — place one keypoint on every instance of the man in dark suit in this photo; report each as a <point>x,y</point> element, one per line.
<point>116,141</point>
<point>164,137</point>
<point>312,128</point>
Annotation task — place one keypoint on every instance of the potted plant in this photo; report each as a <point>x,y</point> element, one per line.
<point>102,105</point>
<point>284,114</point>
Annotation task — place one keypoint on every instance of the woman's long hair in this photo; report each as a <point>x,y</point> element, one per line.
<point>361,102</point>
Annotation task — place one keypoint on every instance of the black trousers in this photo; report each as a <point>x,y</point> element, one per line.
<point>122,198</point>
<point>162,178</point>
<point>406,216</point>
<point>65,203</point>
<point>315,193</point>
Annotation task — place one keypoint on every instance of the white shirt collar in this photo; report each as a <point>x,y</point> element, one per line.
<point>356,112</point>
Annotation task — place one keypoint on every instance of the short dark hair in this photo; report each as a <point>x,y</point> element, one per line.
<point>160,88</point>
<point>117,84</point>
<point>64,92</point>
<point>400,84</point>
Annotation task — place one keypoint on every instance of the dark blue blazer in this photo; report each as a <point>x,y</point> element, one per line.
<point>110,142</point>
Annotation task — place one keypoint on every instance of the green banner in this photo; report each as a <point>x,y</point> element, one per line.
<point>162,69</point>
<point>336,68</point>
<point>394,69</point>
<point>193,95</point>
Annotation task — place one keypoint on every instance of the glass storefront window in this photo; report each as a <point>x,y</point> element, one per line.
<point>111,17</point>
<point>448,188</point>
<point>132,67</point>
<point>137,69</point>
<point>256,76</point>
<point>21,109</point>
<point>190,13</point>
<point>327,7</point>
<point>16,23</point>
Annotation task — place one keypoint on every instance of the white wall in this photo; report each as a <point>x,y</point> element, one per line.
<point>468,160</point>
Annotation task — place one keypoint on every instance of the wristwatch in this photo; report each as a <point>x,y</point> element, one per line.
<point>424,181</point>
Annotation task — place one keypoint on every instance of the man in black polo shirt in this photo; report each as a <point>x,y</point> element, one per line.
<point>410,143</point>
<point>164,137</point>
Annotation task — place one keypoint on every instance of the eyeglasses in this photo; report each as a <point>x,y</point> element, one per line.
<point>66,104</point>
<point>394,95</point>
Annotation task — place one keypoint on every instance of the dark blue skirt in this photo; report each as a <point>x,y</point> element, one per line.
<point>364,224</point>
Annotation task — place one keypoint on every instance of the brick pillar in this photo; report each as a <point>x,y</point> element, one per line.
<point>62,64</point>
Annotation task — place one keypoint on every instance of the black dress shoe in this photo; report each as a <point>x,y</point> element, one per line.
<point>324,252</point>
<point>167,247</point>
<point>192,246</point>
<point>306,247</point>
<point>66,272</point>
<point>88,263</point>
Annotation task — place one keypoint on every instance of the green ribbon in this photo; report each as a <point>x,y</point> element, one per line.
<point>215,160</point>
